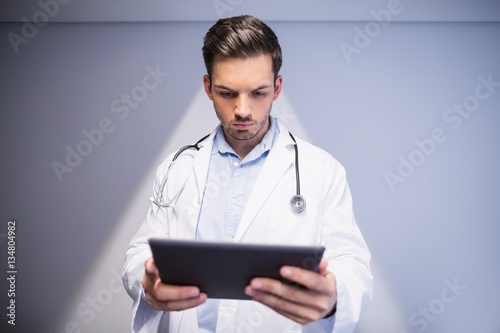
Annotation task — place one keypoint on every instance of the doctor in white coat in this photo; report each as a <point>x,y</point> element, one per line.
<point>243,58</point>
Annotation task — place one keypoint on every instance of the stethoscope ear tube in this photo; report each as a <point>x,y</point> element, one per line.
<point>157,200</point>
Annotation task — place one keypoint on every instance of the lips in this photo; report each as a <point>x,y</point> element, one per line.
<point>242,126</point>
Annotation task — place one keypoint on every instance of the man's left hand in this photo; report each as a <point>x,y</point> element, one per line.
<point>302,305</point>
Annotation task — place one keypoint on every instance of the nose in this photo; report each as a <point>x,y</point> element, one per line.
<point>242,107</point>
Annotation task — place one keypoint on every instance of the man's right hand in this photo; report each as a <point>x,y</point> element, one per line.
<point>165,297</point>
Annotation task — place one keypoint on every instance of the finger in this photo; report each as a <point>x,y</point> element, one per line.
<point>165,292</point>
<point>301,313</point>
<point>314,281</point>
<point>275,293</point>
<point>321,290</point>
<point>322,266</point>
<point>179,304</point>
<point>297,318</point>
<point>150,277</point>
<point>168,297</point>
<point>150,267</point>
<point>159,292</point>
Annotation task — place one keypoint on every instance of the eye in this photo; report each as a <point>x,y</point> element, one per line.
<point>226,94</point>
<point>259,94</point>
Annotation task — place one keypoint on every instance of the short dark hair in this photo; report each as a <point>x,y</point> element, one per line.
<point>241,37</point>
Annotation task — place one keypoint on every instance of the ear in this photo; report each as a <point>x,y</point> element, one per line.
<point>208,86</point>
<point>277,87</point>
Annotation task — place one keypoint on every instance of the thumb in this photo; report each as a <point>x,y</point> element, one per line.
<point>322,267</point>
<point>151,268</point>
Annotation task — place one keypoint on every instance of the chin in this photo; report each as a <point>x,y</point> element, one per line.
<point>243,136</point>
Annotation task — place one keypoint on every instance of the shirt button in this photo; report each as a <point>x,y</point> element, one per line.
<point>236,164</point>
<point>235,201</point>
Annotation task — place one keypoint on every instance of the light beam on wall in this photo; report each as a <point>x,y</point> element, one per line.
<point>101,302</point>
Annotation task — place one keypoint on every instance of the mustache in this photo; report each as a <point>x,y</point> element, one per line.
<point>242,119</point>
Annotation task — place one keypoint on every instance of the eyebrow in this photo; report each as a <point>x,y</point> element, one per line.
<point>221,86</point>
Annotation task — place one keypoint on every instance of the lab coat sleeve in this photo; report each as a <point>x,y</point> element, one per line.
<point>144,317</point>
<point>346,251</point>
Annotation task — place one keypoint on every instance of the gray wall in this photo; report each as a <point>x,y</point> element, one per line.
<point>402,104</point>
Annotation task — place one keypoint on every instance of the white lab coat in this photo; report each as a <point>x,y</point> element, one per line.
<point>328,220</point>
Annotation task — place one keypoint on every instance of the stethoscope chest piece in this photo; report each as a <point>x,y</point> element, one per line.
<point>297,204</point>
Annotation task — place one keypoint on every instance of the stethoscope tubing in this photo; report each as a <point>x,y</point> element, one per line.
<point>297,202</point>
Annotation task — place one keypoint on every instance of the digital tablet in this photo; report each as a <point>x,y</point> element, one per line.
<point>223,270</point>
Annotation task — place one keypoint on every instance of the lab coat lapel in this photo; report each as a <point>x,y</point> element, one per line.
<point>201,164</point>
<point>278,161</point>
<point>187,223</point>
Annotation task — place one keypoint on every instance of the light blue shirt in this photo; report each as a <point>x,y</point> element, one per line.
<point>229,183</point>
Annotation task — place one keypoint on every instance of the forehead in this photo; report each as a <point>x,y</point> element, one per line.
<point>240,72</point>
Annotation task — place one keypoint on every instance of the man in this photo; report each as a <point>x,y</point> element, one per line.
<point>249,161</point>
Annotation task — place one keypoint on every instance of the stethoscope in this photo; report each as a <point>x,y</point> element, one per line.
<point>297,202</point>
